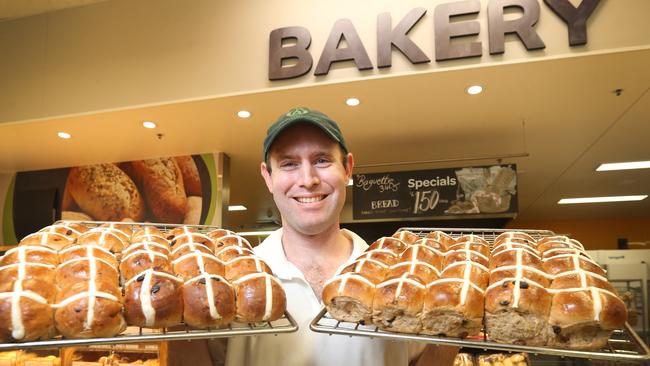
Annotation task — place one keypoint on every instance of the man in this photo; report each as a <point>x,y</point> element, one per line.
<point>306,167</point>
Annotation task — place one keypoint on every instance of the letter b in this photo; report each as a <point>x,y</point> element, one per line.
<point>278,53</point>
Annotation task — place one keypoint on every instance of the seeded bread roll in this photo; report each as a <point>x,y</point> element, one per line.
<point>517,302</point>
<point>191,178</point>
<point>442,238</point>
<point>388,243</point>
<point>54,241</point>
<point>31,254</point>
<point>162,183</point>
<point>397,304</point>
<point>231,239</point>
<point>373,270</point>
<point>179,230</point>
<point>89,309</point>
<point>218,233</point>
<point>208,301</point>
<point>585,310</point>
<point>196,263</point>
<point>144,232</point>
<point>153,300</point>
<point>25,311</point>
<point>422,271</point>
<point>109,239</point>
<point>241,266</point>
<point>135,262</point>
<point>348,297</point>
<point>259,297</point>
<point>406,236</point>
<point>422,253</point>
<point>226,254</point>
<point>80,269</point>
<point>453,305</point>
<point>193,238</point>
<point>81,251</point>
<point>105,192</point>
<point>13,272</point>
<point>71,230</point>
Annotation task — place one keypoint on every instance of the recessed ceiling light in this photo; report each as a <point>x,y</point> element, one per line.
<point>474,89</point>
<point>237,208</point>
<point>352,102</point>
<point>350,182</point>
<point>64,135</point>
<point>148,124</point>
<point>243,114</point>
<point>565,201</point>
<point>624,166</point>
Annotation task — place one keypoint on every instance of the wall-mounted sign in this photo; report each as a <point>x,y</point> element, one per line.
<point>292,43</point>
<point>434,193</point>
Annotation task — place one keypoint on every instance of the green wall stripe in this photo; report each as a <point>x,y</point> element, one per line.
<point>9,233</point>
<point>209,163</point>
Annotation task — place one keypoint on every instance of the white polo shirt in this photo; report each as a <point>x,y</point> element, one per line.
<point>306,347</point>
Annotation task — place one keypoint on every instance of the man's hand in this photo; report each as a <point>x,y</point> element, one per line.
<point>436,355</point>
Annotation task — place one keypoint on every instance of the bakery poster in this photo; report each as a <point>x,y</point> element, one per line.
<point>455,192</point>
<point>175,190</point>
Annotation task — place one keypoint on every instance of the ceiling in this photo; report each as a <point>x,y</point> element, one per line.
<point>560,115</point>
<point>12,9</point>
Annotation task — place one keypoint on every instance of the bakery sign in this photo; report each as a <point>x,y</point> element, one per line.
<point>290,57</point>
<point>465,191</point>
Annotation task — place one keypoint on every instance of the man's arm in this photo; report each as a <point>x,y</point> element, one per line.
<point>436,355</point>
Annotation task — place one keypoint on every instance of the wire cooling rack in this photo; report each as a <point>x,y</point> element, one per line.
<point>286,324</point>
<point>623,345</point>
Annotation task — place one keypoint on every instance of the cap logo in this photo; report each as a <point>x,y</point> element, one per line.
<point>297,112</point>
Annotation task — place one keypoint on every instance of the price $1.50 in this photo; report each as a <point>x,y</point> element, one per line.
<point>425,201</point>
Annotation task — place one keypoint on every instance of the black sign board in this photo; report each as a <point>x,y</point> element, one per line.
<point>433,193</point>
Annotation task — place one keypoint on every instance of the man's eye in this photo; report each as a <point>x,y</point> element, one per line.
<point>287,164</point>
<point>322,161</point>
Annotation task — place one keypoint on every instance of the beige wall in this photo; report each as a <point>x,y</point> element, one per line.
<point>595,234</point>
<point>124,53</point>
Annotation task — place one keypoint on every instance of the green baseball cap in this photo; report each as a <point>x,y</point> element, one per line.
<point>303,115</point>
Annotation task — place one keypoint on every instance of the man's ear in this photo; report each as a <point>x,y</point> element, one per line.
<point>267,176</point>
<point>349,165</point>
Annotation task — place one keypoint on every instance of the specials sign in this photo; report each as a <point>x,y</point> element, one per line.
<point>290,57</point>
<point>436,193</point>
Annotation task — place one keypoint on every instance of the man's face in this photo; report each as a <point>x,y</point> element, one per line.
<point>307,178</point>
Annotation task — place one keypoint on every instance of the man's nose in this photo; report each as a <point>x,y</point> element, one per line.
<point>308,176</point>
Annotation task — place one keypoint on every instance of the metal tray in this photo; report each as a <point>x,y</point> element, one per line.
<point>623,345</point>
<point>286,324</point>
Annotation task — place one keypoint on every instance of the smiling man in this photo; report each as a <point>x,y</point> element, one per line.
<point>306,167</point>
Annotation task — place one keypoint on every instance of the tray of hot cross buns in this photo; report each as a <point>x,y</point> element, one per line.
<point>519,291</point>
<point>76,283</point>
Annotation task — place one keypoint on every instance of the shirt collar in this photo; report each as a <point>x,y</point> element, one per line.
<point>271,251</point>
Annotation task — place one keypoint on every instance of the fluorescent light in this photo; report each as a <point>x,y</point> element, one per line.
<point>255,233</point>
<point>237,208</point>
<point>243,114</point>
<point>352,102</point>
<point>474,89</point>
<point>624,166</point>
<point>64,135</point>
<point>350,182</point>
<point>148,124</point>
<point>565,201</point>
